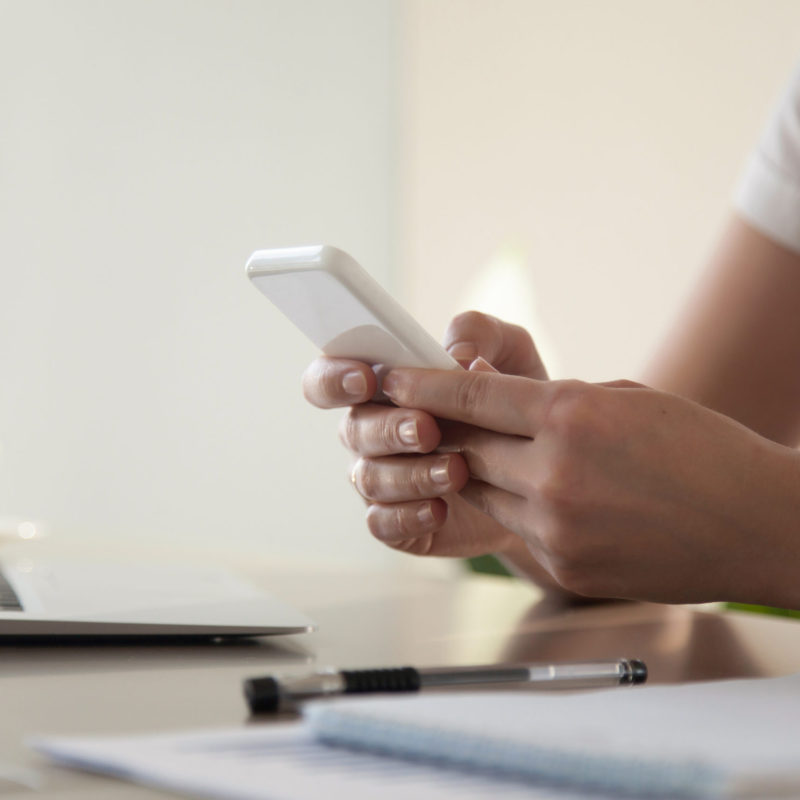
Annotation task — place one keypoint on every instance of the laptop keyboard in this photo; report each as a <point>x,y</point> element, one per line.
<point>9,601</point>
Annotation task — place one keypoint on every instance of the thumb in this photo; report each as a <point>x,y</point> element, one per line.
<point>508,347</point>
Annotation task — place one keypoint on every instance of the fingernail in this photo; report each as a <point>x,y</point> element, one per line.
<point>425,514</point>
<point>354,383</point>
<point>480,364</point>
<point>441,472</point>
<point>463,351</point>
<point>407,431</point>
<point>390,385</point>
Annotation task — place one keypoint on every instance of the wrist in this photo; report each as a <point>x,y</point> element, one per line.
<point>766,570</point>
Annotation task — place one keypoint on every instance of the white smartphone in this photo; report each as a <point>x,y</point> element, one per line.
<point>342,309</point>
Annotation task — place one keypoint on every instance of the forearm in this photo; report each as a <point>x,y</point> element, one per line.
<point>736,349</point>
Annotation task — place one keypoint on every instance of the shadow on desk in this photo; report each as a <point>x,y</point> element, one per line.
<point>69,655</point>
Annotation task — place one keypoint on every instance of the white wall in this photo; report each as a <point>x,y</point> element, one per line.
<point>578,155</point>
<point>568,165</point>
<point>146,147</point>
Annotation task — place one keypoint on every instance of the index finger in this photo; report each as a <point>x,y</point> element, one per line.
<point>502,403</point>
<point>338,382</point>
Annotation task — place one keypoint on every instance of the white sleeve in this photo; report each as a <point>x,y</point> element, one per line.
<point>768,195</point>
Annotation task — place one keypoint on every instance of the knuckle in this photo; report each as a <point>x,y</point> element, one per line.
<point>376,522</point>
<point>327,379</point>
<point>401,523</point>
<point>559,486</point>
<point>419,482</point>
<point>423,545</point>
<point>370,434</point>
<point>322,385</point>
<point>569,398</point>
<point>520,336</point>
<point>573,411</point>
<point>624,383</point>
<point>472,391</point>
<point>483,329</point>
<point>365,479</point>
<point>349,431</point>
<point>469,321</point>
<point>392,524</point>
<point>386,434</point>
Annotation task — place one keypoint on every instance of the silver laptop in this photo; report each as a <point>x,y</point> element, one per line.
<point>75,598</point>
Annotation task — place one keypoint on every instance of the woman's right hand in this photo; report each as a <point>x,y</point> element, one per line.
<point>410,487</point>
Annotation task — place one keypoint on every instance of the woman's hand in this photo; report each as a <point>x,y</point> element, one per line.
<point>411,490</point>
<point>620,490</point>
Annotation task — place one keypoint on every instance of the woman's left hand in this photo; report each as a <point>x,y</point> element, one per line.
<point>620,490</point>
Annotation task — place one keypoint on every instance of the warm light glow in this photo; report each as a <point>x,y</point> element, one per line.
<point>504,289</point>
<point>26,530</point>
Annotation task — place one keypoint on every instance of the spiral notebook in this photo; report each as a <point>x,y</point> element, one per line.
<point>722,739</point>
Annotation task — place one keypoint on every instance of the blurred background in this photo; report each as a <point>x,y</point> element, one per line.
<point>564,165</point>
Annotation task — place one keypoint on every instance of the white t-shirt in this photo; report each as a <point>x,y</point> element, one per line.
<point>768,195</point>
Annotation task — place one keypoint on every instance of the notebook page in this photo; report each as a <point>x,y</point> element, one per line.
<point>726,738</point>
<point>276,762</point>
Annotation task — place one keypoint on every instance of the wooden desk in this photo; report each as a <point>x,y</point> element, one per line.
<point>365,620</point>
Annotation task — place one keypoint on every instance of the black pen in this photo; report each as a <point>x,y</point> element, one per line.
<point>274,693</point>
